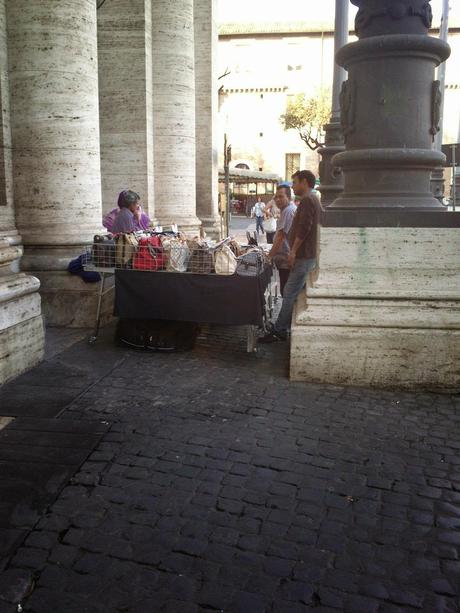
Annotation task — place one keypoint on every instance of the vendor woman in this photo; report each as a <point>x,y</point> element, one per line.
<point>128,217</point>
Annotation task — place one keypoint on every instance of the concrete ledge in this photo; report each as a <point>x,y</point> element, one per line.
<point>381,357</point>
<point>438,314</point>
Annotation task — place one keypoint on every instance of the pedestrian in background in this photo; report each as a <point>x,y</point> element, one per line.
<point>258,211</point>
<point>272,214</point>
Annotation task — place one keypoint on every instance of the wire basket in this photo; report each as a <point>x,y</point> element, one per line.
<point>162,253</point>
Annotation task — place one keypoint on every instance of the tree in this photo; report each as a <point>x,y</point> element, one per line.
<point>308,117</point>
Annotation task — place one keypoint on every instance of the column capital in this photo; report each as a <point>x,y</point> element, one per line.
<point>377,17</point>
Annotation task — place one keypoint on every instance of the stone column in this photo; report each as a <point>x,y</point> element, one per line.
<point>55,130</point>
<point>385,309</point>
<point>206,100</point>
<point>21,325</point>
<point>331,177</point>
<point>390,107</point>
<point>125,100</point>
<point>174,113</point>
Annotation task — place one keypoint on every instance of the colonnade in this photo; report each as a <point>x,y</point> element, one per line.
<point>95,101</point>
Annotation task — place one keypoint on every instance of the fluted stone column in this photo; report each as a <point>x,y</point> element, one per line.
<point>52,49</point>
<point>125,100</point>
<point>21,325</point>
<point>206,99</point>
<point>390,107</point>
<point>331,177</point>
<point>174,113</point>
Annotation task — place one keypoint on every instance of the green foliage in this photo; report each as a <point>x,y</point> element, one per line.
<point>308,117</point>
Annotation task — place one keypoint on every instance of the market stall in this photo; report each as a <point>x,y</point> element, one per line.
<point>166,278</point>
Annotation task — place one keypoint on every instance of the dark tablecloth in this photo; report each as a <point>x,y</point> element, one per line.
<point>217,299</point>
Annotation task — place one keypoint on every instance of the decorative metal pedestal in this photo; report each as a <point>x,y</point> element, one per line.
<point>390,107</point>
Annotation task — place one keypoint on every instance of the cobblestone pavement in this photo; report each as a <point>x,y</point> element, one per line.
<point>221,486</point>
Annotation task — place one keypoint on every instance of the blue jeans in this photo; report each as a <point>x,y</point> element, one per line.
<point>294,285</point>
<point>259,224</point>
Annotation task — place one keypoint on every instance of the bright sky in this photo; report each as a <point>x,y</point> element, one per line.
<point>300,10</point>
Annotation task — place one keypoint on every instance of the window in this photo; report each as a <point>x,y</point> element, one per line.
<point>269,188</point>
<point>252,188</point>
<point>292,164</point>
<point>261,133</point>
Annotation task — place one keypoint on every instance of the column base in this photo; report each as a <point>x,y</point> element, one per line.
<point>384,312</point>
<point>408,358</point>
<point>212,227</point>
<point>22,337</point>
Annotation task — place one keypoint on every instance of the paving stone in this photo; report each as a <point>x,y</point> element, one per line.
<point>246,601</point>
<point>216,596</point>
<point>15,585</point>
<point>361,604</point>
<point>30,557</point>
<point>208,493</point>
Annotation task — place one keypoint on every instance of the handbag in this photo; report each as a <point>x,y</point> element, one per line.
<point>150,254</point>
<point>270,224</point>
<point>201,260</point>
<point>125,248</point>
<point>251,264</point>
<point>103,251</point>
<point>177,254</point>
<point>225,261</point>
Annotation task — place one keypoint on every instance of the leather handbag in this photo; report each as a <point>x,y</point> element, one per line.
<point>125,248</point>
<point>251,263</point>
<point>177,254</point>
<point>150,254</point>
<point>225,261</point>
<point>201,260</point>
<point>103,252</point>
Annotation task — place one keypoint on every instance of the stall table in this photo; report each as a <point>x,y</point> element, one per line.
<point>212,299</point>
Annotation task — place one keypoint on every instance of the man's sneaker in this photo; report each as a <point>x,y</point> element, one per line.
<point>272,337</point>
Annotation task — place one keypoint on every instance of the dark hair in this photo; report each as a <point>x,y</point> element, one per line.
<point>306,175</point>
<point>287,190</point>
<point>126,198</point>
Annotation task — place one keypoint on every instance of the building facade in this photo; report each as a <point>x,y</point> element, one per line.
<point>267,63</point>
